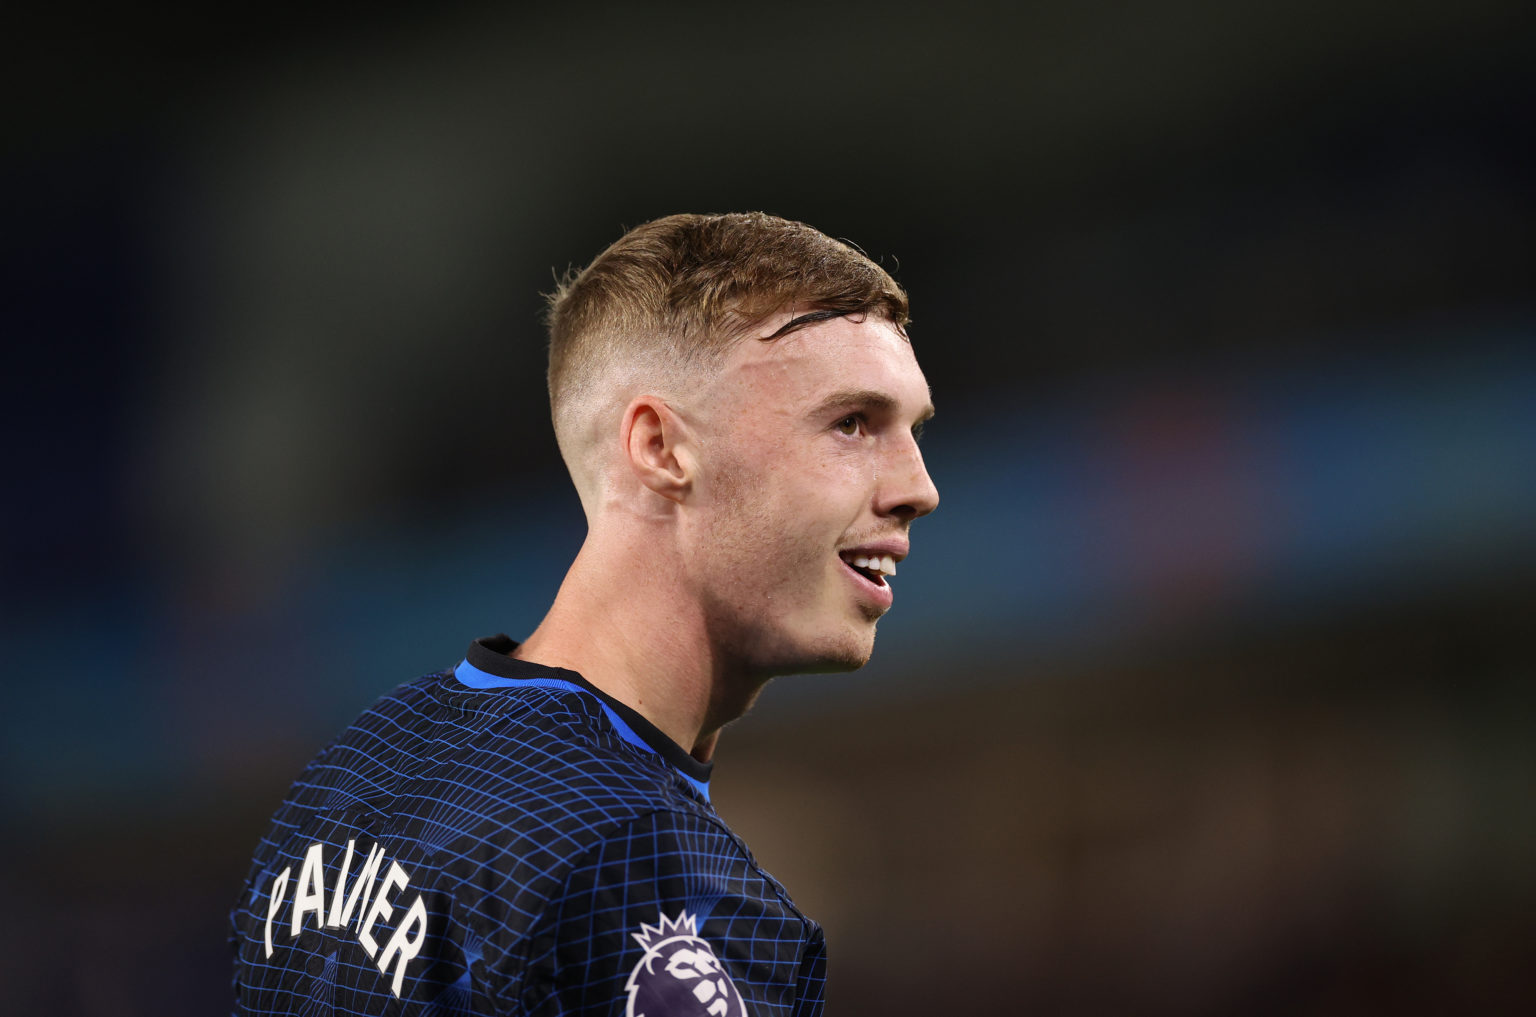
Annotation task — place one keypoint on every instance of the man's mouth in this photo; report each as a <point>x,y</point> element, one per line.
<point>872,567</point>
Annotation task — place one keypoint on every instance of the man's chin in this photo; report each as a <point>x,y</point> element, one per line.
<point>842,666</point>
<point>848,653</point>
<point>807,649</point>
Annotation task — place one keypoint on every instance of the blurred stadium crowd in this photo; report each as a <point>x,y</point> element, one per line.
<point>1208,688</point>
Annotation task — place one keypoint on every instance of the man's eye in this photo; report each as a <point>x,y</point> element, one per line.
<point>849,425</point>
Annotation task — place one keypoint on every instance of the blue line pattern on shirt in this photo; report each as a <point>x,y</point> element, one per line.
<point>509,837</point>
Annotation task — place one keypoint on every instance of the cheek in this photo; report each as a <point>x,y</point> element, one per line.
<point>741,524</point>
<point>779,508</point>
<point>768,534</point>
<point>841,487</point>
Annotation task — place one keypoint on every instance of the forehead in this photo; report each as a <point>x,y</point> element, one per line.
<point>801,368</point>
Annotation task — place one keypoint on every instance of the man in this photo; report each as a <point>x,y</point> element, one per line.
<point>530,832</point>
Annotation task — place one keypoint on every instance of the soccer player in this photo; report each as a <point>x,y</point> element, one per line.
<point>530,832</point>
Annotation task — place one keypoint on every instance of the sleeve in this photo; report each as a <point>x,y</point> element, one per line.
<point>669,916</point>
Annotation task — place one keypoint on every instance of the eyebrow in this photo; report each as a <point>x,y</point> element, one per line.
<point>867,397</point>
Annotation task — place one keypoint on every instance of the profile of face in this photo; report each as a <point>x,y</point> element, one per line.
<point>809,479</point>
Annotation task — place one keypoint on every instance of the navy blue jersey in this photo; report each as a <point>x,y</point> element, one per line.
<point>504,838</point>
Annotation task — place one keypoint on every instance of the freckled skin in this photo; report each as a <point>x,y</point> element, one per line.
<point>784,488</point>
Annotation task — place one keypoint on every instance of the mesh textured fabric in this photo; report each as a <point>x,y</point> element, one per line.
<point>493,839</point>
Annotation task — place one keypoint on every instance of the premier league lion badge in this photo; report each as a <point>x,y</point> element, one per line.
<point>679,975</point>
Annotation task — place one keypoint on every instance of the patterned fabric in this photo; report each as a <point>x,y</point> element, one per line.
<point>504,838</point>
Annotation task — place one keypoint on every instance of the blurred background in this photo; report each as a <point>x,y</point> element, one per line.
<point>1208,689</point>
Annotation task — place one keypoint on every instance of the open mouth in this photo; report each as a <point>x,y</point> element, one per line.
<point>874,568</point>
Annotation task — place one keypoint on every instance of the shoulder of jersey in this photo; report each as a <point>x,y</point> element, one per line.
<point>454,761</point>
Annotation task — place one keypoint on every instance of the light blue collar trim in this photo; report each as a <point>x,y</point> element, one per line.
<point>472,676</point>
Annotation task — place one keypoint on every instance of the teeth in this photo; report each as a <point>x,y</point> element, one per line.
<point>883,564</point>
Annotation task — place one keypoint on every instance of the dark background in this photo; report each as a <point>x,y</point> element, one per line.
<point>1208,690</point>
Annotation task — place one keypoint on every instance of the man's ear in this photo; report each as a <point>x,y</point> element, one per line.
<point>659,447</point>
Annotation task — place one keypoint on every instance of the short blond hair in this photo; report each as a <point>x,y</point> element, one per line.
<point>673,295</point>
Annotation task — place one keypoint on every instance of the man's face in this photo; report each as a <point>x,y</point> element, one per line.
<point>808,461</point>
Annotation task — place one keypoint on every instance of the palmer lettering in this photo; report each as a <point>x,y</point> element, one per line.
<point>350,906</point>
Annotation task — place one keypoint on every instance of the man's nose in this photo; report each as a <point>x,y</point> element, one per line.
<point>908,491</point>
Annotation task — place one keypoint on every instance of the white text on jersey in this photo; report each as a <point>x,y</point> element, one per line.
<point>354,909</point>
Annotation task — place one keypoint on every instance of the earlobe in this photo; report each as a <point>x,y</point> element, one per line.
<point>656,445</point>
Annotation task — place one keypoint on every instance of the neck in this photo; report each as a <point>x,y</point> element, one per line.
<point>624,620</point>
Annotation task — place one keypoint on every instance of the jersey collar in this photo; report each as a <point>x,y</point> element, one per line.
<point>487,666</point>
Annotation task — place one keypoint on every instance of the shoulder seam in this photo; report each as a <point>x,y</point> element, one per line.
<point>571,862</point>
<point>711,818</point>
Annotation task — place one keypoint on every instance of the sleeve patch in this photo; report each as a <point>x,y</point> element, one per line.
<point>678,975</point>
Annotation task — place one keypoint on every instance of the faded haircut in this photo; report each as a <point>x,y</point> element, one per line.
<point>675,294</point>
